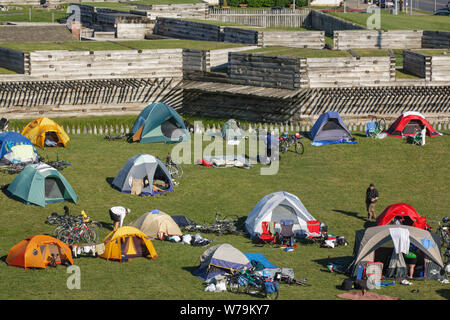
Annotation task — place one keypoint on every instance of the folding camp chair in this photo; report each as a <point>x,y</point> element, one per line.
<point>267,237</point>
<point>286,234</point>
<point>314,232</point>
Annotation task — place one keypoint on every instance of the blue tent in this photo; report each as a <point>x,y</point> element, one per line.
<point>330,129</point>
<point>259,257</point>
<point>158,122</point>
<point>9,140</point>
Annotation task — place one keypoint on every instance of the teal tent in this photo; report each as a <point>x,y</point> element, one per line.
<point>41,184</point>
<point>159,122</point>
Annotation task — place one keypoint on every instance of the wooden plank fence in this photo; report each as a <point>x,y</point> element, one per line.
<point>261,18</point>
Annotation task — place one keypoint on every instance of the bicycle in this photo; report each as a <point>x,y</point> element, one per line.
<point>222,225</point>
<point>175,170</point>
<point>79,234</point>
<point>443,231</point>
<point>293,140</point>
<point>289,280</point>
<point>380,126</point>
<point>246,281</point>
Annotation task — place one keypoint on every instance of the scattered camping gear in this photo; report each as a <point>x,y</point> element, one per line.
<point>145,171</point>
<point>44,132</point>
<point>16,149</point>
<point>232,130</point>
<point>126,243</point>
<point>41,184</point>
<point>158,122</point>
<point>275,207</point>
<point>248,281</point>
<point>444,231</point>
<point>261,259</point>
<point>410,215</point>
<point>38,252</point>
<point>330,129</point>
<point>75,230</point>
<point>408,123</point>
<point>386,244</point>
<point>221,259</point>
<point>157,224</point>
<point>226,161</point>
<point>375,128</point>
<point>195,240</point>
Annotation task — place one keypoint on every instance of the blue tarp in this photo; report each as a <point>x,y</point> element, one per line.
<point>259,257</point>
<point>11,139</point>
<point>324,143</point>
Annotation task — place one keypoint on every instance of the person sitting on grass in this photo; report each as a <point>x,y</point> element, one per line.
<point>117,215</point>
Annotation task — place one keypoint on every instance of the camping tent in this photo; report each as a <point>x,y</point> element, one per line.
<point>41,184</point>
<point>127,242</point>
<point>44,132</point>
<point>330,129</point>
<point>36,252</point>
<point>375,244</point>
<point>408,123</point>
<point>16,148</point>
<point>219,260</point>
<point>276,207</point>
<point>157,224</point>
<point>145,168</point>
<point>232,130</point>
<point>405,210</point>
<point>159,122</point>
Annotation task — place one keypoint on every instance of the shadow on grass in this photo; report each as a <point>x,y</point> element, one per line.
<point>445,293</point>
<point>107,225</point>
<point>349,213</point>
<point>3,259</point>
<point>109,181</point>
<point>342,262</point>
<point>190,269</point>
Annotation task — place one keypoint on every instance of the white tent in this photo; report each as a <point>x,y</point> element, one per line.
<point>275,207</point>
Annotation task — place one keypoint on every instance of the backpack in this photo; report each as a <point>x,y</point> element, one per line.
<point>271,286</point>
<point>347,284</point>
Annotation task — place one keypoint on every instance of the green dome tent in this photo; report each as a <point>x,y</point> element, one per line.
<point>158,122</point>
<point>41,184</point>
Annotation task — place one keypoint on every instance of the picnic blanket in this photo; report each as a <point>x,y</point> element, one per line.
<point>357,295</point>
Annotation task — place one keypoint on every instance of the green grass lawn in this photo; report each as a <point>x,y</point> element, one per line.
<point>372,52</point>
<point>6,71</point>
<point>118,45</point>
<point>400,22</point>
<point>330,181</point>
<point>434,52</point>
<point>300,53</point>
<point>37,14</point>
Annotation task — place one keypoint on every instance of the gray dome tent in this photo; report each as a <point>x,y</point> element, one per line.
<point>232,130</point>
<point>375,244</point>
<point>146,167</point>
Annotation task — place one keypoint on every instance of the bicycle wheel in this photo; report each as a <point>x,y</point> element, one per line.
<point>233,284</point>
<point>89,235</point>
<point>299,147</point>
<point>175,170</point>
<point>65,236</point>
<point>382,124</point>
<point>284,146</point>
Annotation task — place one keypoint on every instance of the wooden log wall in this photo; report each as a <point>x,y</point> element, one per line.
<point>348,72</point>
<point>219,57</point>
<point>134,27</point>
<point>13,60</point>
<point>185,10</point>
<point>294,39</point>
<point>325,22</point>
<point>417,64</point>
<point>276,105</point>
<point>440,68</point>
<point>183,29</point>
<point>25,99</point>
<point>238,35</point>
<point>379,39</point>
<point>436,39</point>
<point>156,63</point>
<point>264,70</point>
<point>196,60</point>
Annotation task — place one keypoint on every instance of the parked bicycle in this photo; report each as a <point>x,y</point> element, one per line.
<point>175,170</point>
<point>443,231</point>
<point>222,225</point>
<point>291,142</point>
<point>289,280</point>
<point>246,281</point>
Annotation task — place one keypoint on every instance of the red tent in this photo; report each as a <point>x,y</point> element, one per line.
<point>408,123</point>
<point>405,210</point>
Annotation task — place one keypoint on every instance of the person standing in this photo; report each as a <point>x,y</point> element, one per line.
<point>371,199</point>
<point>117,215</point>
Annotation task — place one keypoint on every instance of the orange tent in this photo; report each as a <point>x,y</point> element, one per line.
<point>38,251</point>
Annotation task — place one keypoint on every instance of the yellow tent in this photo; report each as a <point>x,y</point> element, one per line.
<point>157,224</point>
<point>127,242</point>
<point>44,132</point>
